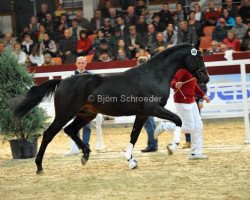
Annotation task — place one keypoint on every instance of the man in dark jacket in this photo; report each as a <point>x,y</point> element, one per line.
<point>220,32</point>
<point>186,34</point>
<point>96,22</point>
<point>165,14</point>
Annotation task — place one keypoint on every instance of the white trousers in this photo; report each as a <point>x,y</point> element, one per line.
<point>191,123</point>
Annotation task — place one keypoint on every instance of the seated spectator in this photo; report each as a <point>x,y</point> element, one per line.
<point>84,44</point>
<point>199,15</point>
<point>48,45</point>
<point>231,41</point>
<point>26,30</point>
<point>141,26</point>
<point>121,55</point>
<point>40,34</point>
<point>180,12</point>
<point>130,17</point>
<point>48,60</point>
<point>141,60</point>
<point>239,29</point>
<point>34,25</point>
<point>159,26</point>
<point>123,46</point>
<point>170,35</point>
<point>214,48</point>
<point>159,45</point>
<point>134,41</point>
<point>75,30</point>
<point>245,45</point>
<point>41,16</point>
<point>65,21</point>
<point>138,8</point>
<point>121,23</point>
<point>231,8</point>
<point>59,32</point>
<point>117,36</point>
<point>147,16</point>
<point>113,14</point>
<point>220,32</point>
<point>230,22</point>
<point>195,24</point>
<point>27,44</point>
<point>104,49</point>
<point>19,54</point>
<point>67,48</point>
<point>96,22</point>
<point>108,30</point>
<point>59,11</point>
<point>143,53</point>
<point>97,41</point>
<point>9,41</point>
<point>211,15</point>
<point>176,21</point>
<point>49,24</point>
<point>36,57</point>
<point>150,37</point>
<point>2,47</point>
<point>165,14</point>
<point>244,11</point>
<point>81,21</point>
<point>105,9</point>
<point>223,48</point>
<point>186,34</point>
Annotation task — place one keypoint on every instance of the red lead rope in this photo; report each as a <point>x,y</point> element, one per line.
<point>185,83</point>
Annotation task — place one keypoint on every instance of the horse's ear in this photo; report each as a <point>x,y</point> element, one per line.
<point>194,51</point>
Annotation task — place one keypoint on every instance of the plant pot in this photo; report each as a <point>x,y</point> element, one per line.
<point>22,149</point>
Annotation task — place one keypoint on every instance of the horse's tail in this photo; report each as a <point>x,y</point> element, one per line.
<point>34,97</point>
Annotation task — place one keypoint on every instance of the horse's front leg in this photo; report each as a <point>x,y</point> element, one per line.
<point>138,124</point>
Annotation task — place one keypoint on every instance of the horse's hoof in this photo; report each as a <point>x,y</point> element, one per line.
<point>39,172</point>
<point>132,163</point>
<point>84,161</point>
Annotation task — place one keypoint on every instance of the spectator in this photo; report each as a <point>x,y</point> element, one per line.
<point>159,26</point>
<point>67,48</point>
<point>186,34</point>
<point>108,30</point>
<point>220,32</point>
<point>151,36</point>
<point>142,53</point>
<point>121,55</point>
<point>134,41</point>
<point>176,22</point>
<point>165,14</point>
<point>65,21</point>
<point>81,21</point>
<point>245,45</point>
<point>34,25</point>
<point>211,15</point>
<point>239,29</point>
<point>159,45</point>
<point>103,53</point>
<point>97,41</point>
<point>84,44</point>
<point>147,16</point>
<point>214,48</point>
<point>230,22</point>
<point>180,12</point>
<point>113,14</point>
<point>26,30</point>
<point>48,60</point>
<point>75,30</point>
<point>131,18</point>
<point>49,24</point>
<point>96,22</point>
<point>223,48</point>
<point>59,32</point>
<point>122,45</point>
<point>121,23</point>
<point>105,9</point>
<point>27,44</point>
<point>244,11</point>
<point>2,47</point>
<point>36,57</point>
<point>231,41</point>
<point>170,35</point>
<point>138,8</point>
<point>141,25</point>
<point>19,54</point>
<point>199,15</point>
<point>41,16</point>
<point>195,24</point>
<point>231,8</point>
<point>59,11</point>
<point>117,36</point>
<point>9,41</point>
<point>48,45</point>
<point>40,34</point>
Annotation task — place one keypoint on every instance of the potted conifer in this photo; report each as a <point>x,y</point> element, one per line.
<point>15,81</point>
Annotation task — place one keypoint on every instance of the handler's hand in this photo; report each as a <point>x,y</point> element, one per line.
<point>200,105</point>
<point>178,85</point>
<point>206,98</point>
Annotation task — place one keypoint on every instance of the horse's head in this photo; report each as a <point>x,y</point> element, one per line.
<point>195,65</point>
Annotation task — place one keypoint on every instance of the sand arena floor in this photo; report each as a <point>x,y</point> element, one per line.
<point>225,175</point>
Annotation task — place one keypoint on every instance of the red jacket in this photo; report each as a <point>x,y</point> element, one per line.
<point>84,44</point>
<point>214,15</point>
<point>232,44</point>
<point>188,90</point>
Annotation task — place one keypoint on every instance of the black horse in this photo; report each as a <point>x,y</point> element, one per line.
<point>142,91</point>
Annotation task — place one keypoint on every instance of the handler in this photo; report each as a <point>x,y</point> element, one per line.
<point>185,88</point>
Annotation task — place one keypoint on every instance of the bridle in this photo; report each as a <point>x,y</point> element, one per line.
<point>198,71</point>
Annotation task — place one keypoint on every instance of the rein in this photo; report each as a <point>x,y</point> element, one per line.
<point>179,90</point>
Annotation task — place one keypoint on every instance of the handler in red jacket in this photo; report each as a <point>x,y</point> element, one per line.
<point>185,87</point>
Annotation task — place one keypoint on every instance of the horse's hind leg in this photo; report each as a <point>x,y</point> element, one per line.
<point>138,124</point>
<point>72,131</point>
<point>48,135</point>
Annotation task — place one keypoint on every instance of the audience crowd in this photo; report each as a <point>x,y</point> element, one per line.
<point>135,34</point>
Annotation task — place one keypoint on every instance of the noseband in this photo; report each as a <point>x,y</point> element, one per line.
<point>198,72</point>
